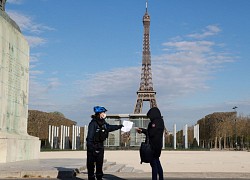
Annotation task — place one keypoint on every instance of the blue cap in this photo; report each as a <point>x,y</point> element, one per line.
<point>99,109</point>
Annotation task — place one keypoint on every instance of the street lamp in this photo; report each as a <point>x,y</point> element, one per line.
<point>234,108</point>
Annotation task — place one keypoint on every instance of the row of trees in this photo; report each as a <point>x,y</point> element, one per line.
<point>224,130</point>
<point>220,130</point>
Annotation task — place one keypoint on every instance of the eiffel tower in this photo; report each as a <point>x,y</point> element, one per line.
<point>146,91</point>
<point>2,5</point>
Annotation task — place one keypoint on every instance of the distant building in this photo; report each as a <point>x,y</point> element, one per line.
<point>135,139</point>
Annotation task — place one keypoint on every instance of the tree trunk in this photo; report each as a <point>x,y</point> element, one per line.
<point>225,142</point>
<point>242,142</point>
<point>220,143</point>
<point>215,142</point>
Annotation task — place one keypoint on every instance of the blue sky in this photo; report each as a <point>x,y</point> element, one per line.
<point>89,52</point>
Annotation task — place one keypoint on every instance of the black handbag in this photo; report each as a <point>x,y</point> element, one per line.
<point>146,153</point>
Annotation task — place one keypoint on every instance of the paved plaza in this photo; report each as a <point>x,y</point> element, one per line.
<point>176,164</point>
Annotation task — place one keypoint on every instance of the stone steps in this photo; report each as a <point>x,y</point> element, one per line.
<point>114,168</point>
<point>127,169</point>
<point>107,165</point>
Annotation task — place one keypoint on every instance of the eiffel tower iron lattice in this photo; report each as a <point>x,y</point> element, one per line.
<point>146,91</point>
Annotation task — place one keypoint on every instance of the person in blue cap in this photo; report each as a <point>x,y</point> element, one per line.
<point>98,131</point>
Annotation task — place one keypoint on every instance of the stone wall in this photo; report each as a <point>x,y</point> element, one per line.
<point>15,143</point>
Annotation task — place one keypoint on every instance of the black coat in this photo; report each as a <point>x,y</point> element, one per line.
<point>155,130</point>
<point>93,125</point>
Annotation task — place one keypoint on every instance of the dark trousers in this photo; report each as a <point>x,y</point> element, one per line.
<point>156,169</point>
<point>95,160</point>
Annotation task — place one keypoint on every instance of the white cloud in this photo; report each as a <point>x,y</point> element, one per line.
<point>34,57</point>
<point>27,24</point>
<point>15,1</point>
<point>210,30</point>
<point>53,83</point>
<point>36,72</point>
<point>119,79</point>
<point>35,41</point>
<point>30,28</point>
<point>191,46</point>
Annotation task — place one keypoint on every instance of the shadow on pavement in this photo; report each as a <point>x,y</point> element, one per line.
<point>63,176</point>
<point>111,177</point>
<point>106,177</point>
<point>66,173</point>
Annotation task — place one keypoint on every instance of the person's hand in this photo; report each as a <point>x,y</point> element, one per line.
<point>96,152</point>
<point>139,130</point>
<point>120,126</point>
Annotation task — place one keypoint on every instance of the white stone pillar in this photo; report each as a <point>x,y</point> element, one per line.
<point>72,147</point>
<point>57,136</point>
<point>55,133</point>
<point>50,134</point>
<point>61,137</point>
<point>185,133</point>
<point>52,137</point>
<point>174,136</point>
<point>64,134</point>
<point>198,134</point>
<point>84,137</point>
<point>75,137</point>
<point>67,137</point>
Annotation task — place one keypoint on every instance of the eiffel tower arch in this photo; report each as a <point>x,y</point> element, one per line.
<point>146,91</point>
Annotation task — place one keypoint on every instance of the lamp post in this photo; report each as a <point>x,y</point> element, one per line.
<point>234,108</point>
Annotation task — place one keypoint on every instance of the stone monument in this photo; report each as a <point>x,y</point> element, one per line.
<point>15,143</point>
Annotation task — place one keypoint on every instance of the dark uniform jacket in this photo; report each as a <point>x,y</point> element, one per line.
<point>155,130</point>
<point>93,126</point>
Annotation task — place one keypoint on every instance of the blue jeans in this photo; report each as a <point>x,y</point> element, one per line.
<point>156,169</point>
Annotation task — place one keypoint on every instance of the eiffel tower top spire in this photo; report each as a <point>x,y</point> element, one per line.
<point>146,91</point>
<point>146,75</point>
